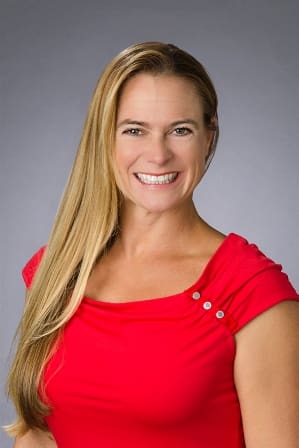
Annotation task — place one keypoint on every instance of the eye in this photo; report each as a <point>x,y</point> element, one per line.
<point>133,131</point>
<point>182,131</point>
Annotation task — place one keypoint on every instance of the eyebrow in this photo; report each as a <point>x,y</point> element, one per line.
<point>145,124</point>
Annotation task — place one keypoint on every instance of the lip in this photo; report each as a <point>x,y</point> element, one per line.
<point>156,174</point>
<point>159,183</point>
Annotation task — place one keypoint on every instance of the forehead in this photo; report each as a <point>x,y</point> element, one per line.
<point>147,96</point>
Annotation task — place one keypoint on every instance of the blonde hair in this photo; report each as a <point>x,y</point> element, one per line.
<point>87,221</point>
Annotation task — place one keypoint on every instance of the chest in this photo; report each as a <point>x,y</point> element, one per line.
<point>122,281</point>
<point>157,373</point>
<point>158,368</point>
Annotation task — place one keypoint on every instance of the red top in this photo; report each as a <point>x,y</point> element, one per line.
<point>159,372</point>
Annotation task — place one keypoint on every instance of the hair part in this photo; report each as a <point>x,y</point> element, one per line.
<point>87,221</point>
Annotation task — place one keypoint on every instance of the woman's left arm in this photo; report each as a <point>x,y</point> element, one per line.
<point>267,377</point>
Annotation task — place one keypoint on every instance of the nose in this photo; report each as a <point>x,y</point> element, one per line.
<point>159,152</point>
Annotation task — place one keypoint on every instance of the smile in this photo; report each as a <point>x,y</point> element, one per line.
<point>151,179</point>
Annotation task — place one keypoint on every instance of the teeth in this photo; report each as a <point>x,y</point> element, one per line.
<point>156,180</point>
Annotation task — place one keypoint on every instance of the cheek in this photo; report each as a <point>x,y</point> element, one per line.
<point>203,151</point>
<point>195,155</point>
<point>124,156</point>
<point>119,161</point>
<point>122,161</point>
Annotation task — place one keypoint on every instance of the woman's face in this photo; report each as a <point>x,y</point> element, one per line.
<point>161,142</point>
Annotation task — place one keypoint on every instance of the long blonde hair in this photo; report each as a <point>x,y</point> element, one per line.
<point>87,221</point>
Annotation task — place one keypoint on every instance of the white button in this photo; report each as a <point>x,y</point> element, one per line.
<point>220,314</point>
<point>207,305</point>
<point>196,295</point>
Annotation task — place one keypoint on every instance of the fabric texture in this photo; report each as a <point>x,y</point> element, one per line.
<point>159,372</point>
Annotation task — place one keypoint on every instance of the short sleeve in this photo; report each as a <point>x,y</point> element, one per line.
<point>240,282</point>
<point>31,266</point>
<point>266,289</point>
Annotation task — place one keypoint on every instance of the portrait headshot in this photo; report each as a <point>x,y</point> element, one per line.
<point>150,225</point>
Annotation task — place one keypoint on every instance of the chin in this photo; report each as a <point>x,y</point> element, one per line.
<point>159,207</point>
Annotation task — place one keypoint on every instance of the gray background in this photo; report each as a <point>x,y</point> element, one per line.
<point>52,53</point>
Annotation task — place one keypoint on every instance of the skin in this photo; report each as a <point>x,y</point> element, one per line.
<point>160,129</point>
<point>267,377</point>
<point>167,142</point>
<point>35,439</point>
<point>161,228</point>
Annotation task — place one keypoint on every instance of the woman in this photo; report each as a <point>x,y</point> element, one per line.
<point>144,326</point>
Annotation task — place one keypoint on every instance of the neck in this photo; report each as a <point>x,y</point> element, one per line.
<point>143,233</point>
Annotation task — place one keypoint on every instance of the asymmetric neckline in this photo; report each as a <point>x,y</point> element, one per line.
<point>231,237</point>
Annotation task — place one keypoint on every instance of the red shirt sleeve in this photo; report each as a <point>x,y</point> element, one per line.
<point>241,282</point>
<point>264,290</point>
<point>31,266</point>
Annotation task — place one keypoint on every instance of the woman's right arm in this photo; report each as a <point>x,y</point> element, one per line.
<point>35,439</point>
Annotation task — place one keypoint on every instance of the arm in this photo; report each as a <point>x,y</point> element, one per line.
<point>267,377</point>
<point>35,439</point>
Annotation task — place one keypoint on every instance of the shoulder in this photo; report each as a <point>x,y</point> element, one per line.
<point>245,282</point>
<point>31,266</point>
<point>237,262</point>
